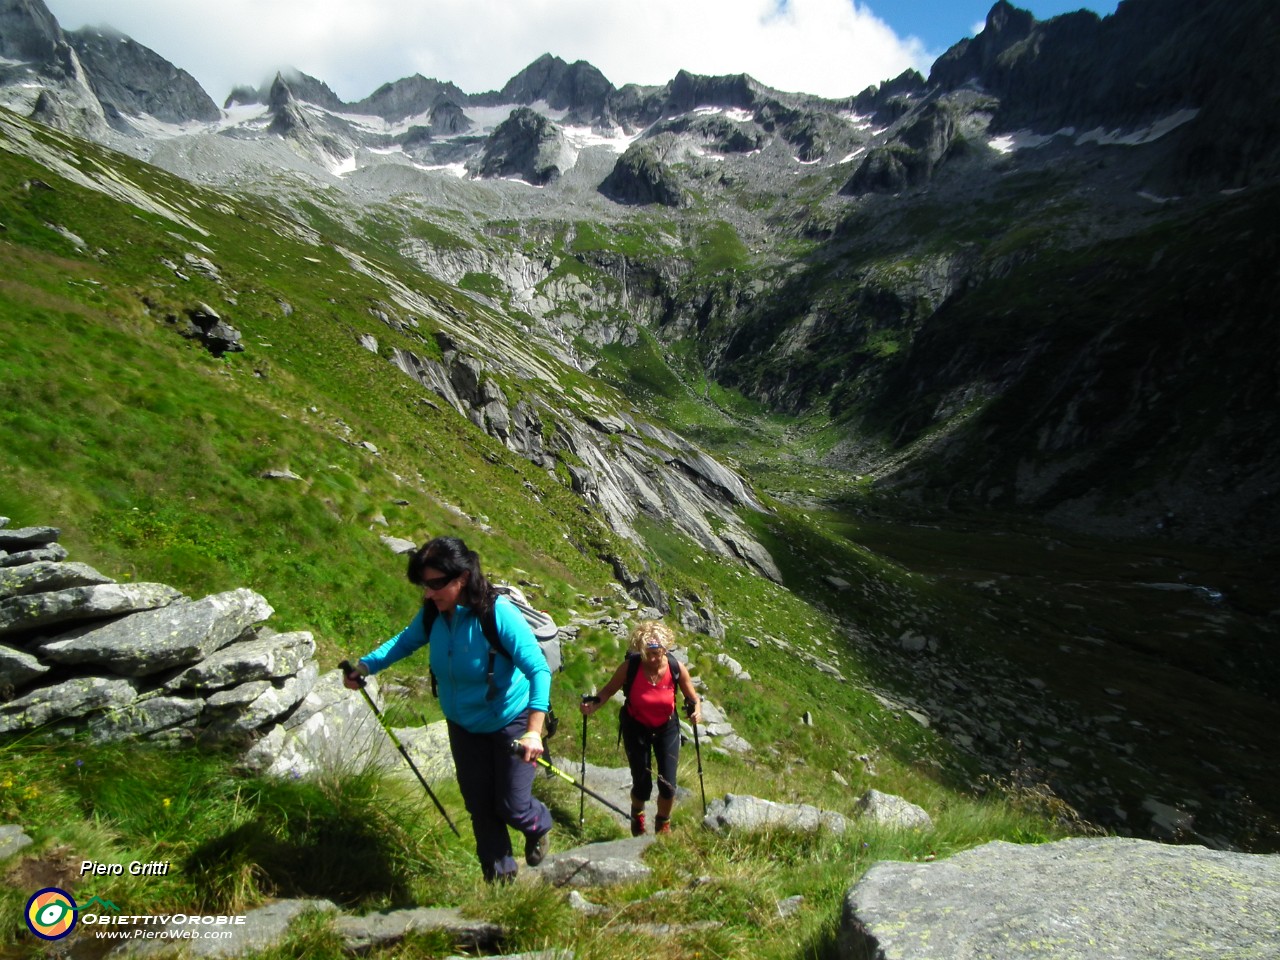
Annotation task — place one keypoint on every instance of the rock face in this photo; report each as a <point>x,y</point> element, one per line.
<point>623,465</point>
<point>640,177</point>
<point>131,80</point>
<point>578,87</point>
<point>912,159</point>
<point>1078,899</point>
<point>410,97</point>
<point>29,32</point>
<point>525,145</point>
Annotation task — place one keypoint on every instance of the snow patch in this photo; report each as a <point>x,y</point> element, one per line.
<point>157,129</point>
<point>736,114</point>
<point>853,156</point>
<point>1026,140</point>
<point>343,167</point>
<point>857,121</point>
<point>374,124</point>
<point>241,114</point>
<point>458,170</point>
<point>582,137</point>
<point>1138,137</point>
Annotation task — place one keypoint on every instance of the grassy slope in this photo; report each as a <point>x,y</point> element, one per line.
<point>147,452</point>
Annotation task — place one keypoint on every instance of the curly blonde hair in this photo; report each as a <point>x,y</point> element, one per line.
<point>647,631</point>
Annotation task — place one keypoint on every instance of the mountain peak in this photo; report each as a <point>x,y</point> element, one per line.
<point>130,79</point>
<point>291,83</point>
<point>563,86</point>
<point>408,97</point>
<point>28,31</point>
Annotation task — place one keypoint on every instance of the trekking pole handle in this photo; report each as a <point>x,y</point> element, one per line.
<point>689,707</point>
<point>351,673</point>
<point>590,698</point>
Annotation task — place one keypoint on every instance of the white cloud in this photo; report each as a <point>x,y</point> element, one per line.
<point>833,48</point>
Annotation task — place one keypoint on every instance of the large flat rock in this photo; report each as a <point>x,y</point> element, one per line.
<point>1078,899</point>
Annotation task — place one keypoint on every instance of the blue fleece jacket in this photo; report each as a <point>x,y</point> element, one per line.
<point>459,657</point>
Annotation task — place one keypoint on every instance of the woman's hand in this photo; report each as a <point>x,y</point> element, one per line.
<point>693,710</point>
<point>530,743</point>
<point>353,674</point>
<point>589,704</point>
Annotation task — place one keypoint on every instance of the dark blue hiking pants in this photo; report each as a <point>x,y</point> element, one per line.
<point>496,788</point>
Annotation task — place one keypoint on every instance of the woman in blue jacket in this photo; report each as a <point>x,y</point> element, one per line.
<point>488,701</point>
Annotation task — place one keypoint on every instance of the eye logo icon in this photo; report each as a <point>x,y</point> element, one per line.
<point>51,913</point>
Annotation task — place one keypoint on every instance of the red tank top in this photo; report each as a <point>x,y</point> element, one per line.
<point>649,704</point>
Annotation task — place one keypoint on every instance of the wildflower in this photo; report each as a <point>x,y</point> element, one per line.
<point>165,803</point>
<point>8,783</point>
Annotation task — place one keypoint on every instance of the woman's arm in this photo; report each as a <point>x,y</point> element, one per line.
<point>526,656</point>
<point>398,647</point>
<point>690,695</point>
<point>613,686</point>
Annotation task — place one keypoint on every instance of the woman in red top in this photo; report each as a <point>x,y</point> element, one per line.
<point>650,724</point>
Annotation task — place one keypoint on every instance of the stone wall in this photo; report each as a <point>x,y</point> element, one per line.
<point>81,651</point>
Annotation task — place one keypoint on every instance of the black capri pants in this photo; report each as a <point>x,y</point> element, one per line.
<point>663,744</point>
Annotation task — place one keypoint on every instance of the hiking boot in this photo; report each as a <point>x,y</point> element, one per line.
<point>535,847</point>
<point>662,825</point>
<point>637,824</point>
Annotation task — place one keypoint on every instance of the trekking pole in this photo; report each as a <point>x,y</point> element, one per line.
<point>515,748</point>
<point>697,748</point>
<point>347,670</point>
<point>582,800</point>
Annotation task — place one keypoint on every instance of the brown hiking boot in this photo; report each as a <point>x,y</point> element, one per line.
<point>637,824</point>
<point>662,825</point>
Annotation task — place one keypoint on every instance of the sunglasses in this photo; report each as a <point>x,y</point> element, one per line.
<point>438,583</point>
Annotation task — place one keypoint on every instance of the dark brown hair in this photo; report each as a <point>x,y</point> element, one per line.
<point>451,557</point>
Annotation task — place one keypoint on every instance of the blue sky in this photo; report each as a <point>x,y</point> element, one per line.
<point>834,48</point>
<point>940,23</point>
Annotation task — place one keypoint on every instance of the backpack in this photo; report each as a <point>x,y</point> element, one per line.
<point>633,667</point>
<point>541,623</point>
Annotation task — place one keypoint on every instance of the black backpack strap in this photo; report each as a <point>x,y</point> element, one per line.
<point>429,613</point>
<point>633,667</point>
<point>489,627</point>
